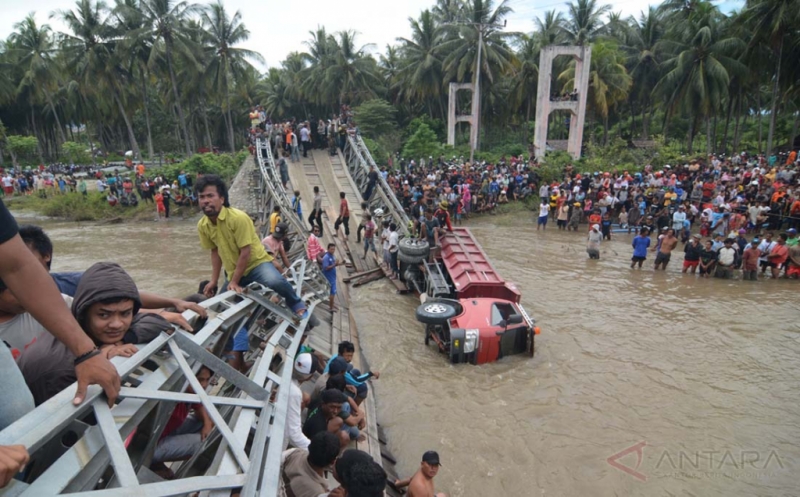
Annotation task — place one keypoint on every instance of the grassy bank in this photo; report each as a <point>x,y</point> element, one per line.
<point>92,207</point>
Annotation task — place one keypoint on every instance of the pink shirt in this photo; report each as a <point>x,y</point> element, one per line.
<point>314,248</point>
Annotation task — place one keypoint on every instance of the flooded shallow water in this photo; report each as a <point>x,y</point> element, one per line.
<point>704,372</point>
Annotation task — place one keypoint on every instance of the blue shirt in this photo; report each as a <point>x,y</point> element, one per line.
<point>182,179</point>
<point>329,260</point>
<point>67,283</point>
<point>640,245</point>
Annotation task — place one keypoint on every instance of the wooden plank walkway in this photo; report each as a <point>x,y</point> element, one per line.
<point>320,169</point>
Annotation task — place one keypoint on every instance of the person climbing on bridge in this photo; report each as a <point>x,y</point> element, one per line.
<point>315,218</point>
<point>421,484</point>
<point>231,237</point>
<point>372,180</point>
<point>344,215</point>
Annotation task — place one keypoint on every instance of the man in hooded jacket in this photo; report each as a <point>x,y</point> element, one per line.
<point>106,305</point>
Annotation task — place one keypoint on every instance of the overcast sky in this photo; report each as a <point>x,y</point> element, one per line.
<point>278,27</point>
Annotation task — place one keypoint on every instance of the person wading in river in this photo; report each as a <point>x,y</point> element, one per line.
<point>231,237</point>
<point>421,484</point>
<point>668,244</point>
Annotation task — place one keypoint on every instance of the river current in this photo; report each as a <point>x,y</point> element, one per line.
<point>642,383</point>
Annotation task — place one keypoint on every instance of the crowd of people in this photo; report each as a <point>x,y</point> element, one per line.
<point>100,313</point>
<point>291,137</point>
<point>119,189</point>
<point>718,198</point>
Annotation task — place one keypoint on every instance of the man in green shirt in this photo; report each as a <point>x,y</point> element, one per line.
<point>792,240</point>
<point>230,235</point>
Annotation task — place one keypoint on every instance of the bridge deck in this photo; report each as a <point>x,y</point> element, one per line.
<point>320,169</point>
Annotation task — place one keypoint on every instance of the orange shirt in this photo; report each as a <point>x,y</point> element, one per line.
<point>594,219</point>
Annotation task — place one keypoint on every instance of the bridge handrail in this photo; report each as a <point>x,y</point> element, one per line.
<point>178,355</point>
<point>355,145</point>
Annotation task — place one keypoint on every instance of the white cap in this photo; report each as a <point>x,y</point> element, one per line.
<point>303,363</point>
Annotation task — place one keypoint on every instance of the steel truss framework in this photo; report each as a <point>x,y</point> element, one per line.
<point>359,160</point>
<point>110,456</point>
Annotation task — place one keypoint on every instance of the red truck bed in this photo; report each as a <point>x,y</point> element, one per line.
<point>469,268</point>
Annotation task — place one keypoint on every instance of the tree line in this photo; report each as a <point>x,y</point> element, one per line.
<point>169,74</point>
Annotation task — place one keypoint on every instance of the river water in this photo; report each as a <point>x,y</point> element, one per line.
<point>698,377</point>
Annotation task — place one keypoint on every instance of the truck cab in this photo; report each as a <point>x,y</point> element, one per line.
<point>471,313</point>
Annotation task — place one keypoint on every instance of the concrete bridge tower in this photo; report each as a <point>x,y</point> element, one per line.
<point>577,106</point>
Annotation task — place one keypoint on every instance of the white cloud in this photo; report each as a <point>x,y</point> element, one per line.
<point>279,27</point>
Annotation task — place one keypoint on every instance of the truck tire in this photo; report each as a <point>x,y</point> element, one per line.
<point>436,313</point>
<point>412,247</point>
<point>411,259</point>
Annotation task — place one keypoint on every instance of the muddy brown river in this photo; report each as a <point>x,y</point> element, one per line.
<point>642,383</point>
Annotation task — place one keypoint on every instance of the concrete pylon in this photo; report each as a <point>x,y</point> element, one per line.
<point>452,118</point>
<point>544,106</point>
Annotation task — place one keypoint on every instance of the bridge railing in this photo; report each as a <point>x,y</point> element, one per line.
<point>111,456</point>
<point>359,160</point>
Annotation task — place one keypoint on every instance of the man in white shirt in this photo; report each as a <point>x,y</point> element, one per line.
<point>294,423</point>
<point>305,139</point>
<point>725,260</point>
<point>765,247</point>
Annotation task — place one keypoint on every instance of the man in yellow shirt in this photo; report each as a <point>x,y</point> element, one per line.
<point>230,235</point>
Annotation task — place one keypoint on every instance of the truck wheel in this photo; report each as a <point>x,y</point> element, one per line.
<point>412,247</point>
<point>436,313</point>
<point>411,259</point>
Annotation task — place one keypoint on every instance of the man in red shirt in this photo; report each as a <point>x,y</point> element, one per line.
<point>750,261</point>
<point>778,255</point>
<point>344,216</point>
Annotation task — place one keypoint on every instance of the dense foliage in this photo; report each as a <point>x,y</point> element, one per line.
<point>166,76</point>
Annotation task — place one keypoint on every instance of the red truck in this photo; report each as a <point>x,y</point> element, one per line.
<point>470,312</point>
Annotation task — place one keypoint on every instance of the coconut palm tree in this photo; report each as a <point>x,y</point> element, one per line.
<point>33,49</point>
<point>481,21</point>
<point>421,67</point>
<point>644,60</point>
<point>90,53</point>
<point>525,82</point>
<point>128,20</point>
<point>226,61</point>
<point>165,21</point>
<point>584,21</point>
<point>549,29</point>
<point>770,22</point>
<point>698,71</point>
<point>353,72</point>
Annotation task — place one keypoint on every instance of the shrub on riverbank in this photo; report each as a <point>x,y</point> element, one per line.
<point>225,165</point>
<point>92,207</point>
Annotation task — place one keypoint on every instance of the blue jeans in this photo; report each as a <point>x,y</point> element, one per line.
<point>267,275</point>
<point>17,400</point>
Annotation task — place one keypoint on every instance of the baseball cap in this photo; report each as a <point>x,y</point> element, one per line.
<point>755,240</point>
<point>792,231</point>
<point>595,227</point>
<point>337,366</point>
<point>303,363</point>
<point>431,457</point>
<point>280,230</point>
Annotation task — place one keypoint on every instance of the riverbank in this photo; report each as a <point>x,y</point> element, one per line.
<point>92,207</point>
